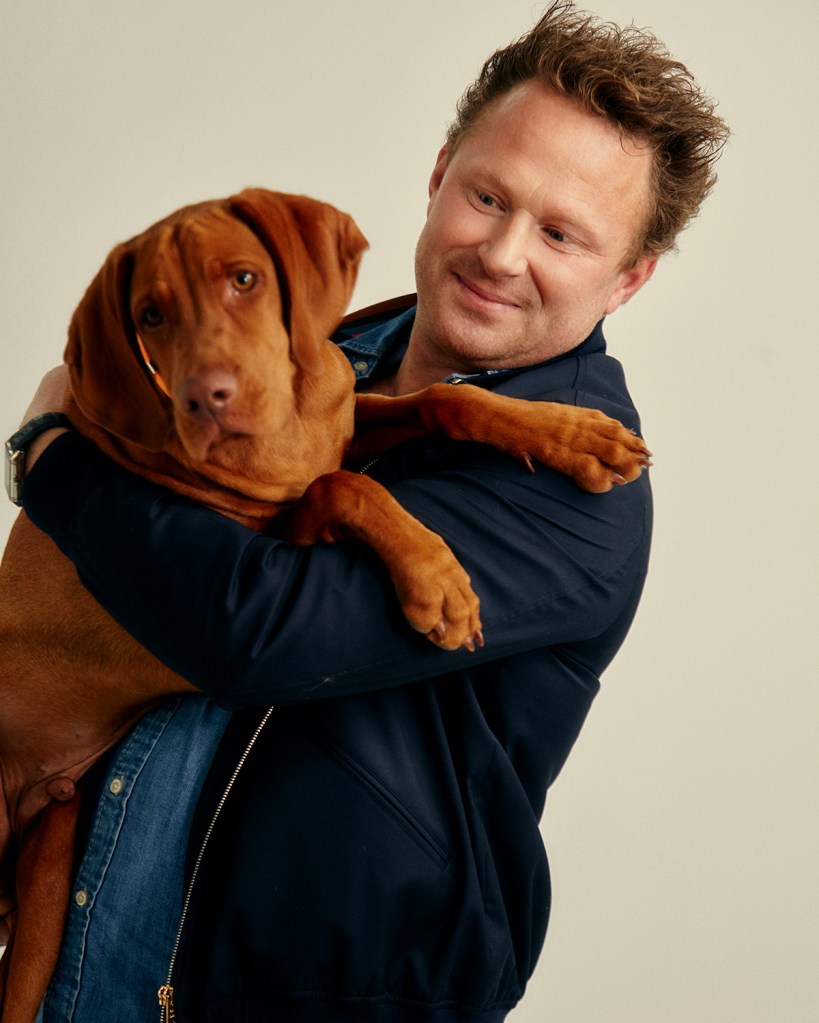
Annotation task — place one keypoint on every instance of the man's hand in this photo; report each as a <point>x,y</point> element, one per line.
<point>51,396</point>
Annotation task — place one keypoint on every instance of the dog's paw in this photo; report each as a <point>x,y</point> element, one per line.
<point>437,597</point>
<point>597,451</point>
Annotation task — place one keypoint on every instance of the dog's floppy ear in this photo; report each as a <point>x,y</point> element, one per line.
<point>316,250</point>
<point>108,378</point>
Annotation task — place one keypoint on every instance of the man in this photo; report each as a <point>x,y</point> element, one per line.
<point>369,850</point>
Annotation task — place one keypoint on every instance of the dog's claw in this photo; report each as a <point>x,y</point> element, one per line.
<point>474,642</point>
<point>439,632</point>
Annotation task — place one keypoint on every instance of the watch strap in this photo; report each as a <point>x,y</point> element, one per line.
<point>16,449</point>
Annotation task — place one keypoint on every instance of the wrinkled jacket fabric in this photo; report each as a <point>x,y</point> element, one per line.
<point>378,859</point>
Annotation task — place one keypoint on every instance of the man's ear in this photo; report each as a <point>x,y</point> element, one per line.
<point>630,282</point>
<point>438,172</point>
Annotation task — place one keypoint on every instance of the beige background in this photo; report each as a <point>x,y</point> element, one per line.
<point>683,832</point>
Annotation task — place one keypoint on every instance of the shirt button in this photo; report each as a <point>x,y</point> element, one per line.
<point>360,367</point>
<point>116,786</point>
<point>81,898</point>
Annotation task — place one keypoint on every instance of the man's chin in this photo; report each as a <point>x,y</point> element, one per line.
<point>475,347</point>
<point>474,338</point>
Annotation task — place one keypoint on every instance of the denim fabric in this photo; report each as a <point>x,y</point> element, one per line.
<point>127,897</point>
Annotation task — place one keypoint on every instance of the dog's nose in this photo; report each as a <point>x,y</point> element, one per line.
<point>208,395</point>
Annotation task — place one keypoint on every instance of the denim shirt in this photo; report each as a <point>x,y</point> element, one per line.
<point>379,350</point>
<point>127,896</point>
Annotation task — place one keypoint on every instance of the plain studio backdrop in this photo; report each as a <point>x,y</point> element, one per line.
<point>683,832</point>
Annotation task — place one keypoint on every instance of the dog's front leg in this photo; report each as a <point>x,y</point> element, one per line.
<point>592,448</point>
<point>432,587</point>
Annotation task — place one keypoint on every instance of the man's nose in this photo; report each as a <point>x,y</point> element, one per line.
<point>504,252</point>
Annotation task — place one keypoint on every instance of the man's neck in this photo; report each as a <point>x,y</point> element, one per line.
<point>393,377</point>
<point>414,374</point>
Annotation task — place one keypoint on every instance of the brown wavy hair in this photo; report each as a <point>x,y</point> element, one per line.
<point>627,76</point>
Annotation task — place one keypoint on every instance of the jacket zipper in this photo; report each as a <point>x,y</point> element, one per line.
<point>165,992</point>
<point>366,468</point>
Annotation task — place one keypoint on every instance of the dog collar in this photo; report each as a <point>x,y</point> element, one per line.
<point>16,447</point>
<point>155,374</point>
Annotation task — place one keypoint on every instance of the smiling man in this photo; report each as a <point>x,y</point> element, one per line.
<point>378,858</point>
<point>534,214</point>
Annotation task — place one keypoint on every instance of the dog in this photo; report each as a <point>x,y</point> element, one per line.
<point>199,358</point>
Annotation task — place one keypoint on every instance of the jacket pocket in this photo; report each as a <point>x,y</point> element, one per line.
<point>388,801</point>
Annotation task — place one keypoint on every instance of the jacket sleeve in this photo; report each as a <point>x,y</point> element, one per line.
<point>252,620</point>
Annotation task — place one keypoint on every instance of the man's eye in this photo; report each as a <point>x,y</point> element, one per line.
<point>555,235</point>
<point>151,317</point>
<point>244,280</point>
<point>485,199</point>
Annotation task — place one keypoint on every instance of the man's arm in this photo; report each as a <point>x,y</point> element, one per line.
<point>253,620</point>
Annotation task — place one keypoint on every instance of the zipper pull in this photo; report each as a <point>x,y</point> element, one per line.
<point>166,1002</point>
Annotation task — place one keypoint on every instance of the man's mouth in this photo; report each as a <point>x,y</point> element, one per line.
<point>485,296</point>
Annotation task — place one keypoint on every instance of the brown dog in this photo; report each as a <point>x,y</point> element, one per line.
<point>199,358</point>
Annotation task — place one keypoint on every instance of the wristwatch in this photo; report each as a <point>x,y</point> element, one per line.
<point>16,450</point>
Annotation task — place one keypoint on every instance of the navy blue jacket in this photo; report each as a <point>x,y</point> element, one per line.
<point>378,859</point>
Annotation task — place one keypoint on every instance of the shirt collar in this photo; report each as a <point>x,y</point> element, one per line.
<point>378,350</point>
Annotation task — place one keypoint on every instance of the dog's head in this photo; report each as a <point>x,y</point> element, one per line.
<point>225,298</point>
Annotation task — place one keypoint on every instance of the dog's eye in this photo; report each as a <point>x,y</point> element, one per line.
<point>151,317</point>
<point>244,280</point>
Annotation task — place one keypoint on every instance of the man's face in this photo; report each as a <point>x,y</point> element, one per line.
<point>529,226</point>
